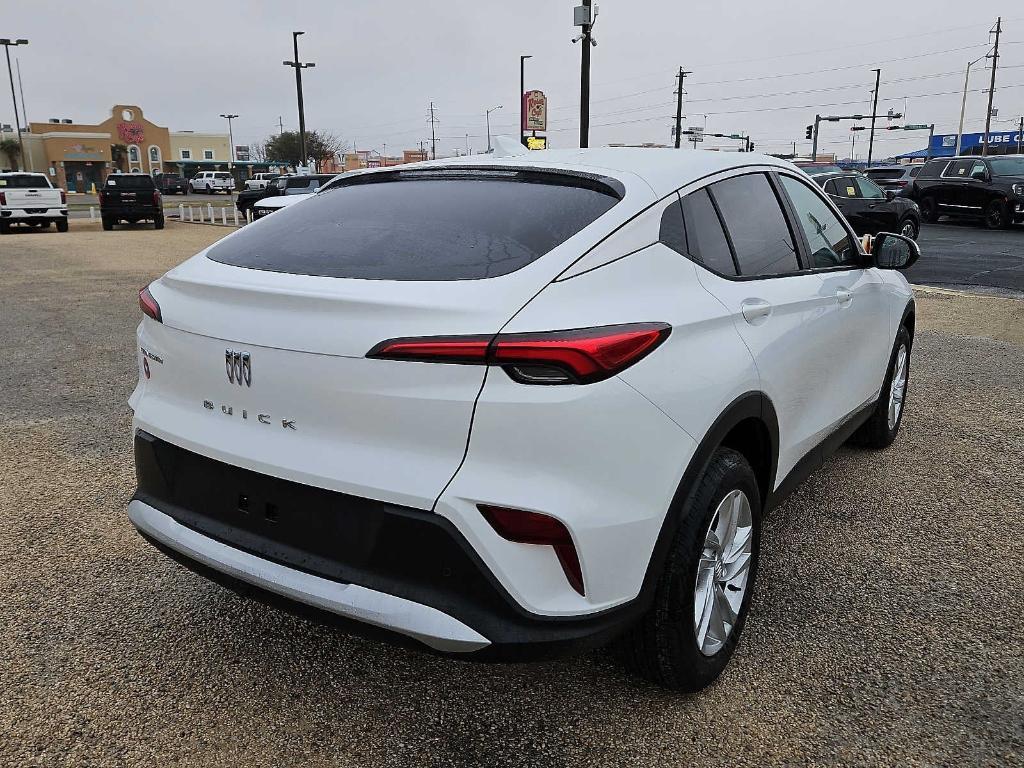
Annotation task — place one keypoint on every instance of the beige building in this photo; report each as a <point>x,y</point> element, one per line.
<point>78,156</point>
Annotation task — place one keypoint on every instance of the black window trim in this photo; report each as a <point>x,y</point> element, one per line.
<point>805,246</point>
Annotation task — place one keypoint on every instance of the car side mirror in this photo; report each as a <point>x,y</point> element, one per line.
<point>980,175</point>
<point>890,194</point>
<point>892,251</point>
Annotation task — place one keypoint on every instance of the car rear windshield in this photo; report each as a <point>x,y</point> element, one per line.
<point>422,226</point>
<point>222,175</point>
<point>170,177</point>
<point>24,181</point>
<point>884,173</point>
<point>130,181</point>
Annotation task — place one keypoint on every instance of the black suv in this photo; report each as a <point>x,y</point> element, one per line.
<point>868,207</point>
<point>990,189</point>
<point>130,198</point>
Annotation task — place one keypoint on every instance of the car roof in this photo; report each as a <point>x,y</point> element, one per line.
<point>663,170</point>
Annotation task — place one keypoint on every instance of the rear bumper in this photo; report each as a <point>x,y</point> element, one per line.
<point>26,215</point>
<point>370,566</point>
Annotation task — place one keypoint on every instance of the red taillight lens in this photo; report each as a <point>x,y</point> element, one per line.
<point>63,197</point>
<point>3,198</point>
<point>578,356</point>
<point>156,197</point>
<point>525,527</point>
<point>149,306</point>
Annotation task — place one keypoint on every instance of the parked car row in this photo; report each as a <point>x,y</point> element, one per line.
<point>987,189</point>
<point>280,192</point>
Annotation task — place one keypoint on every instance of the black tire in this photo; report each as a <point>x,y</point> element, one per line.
<point>108,224</point>
<point>996,216</point>
<point>929,210</point>
<point>662,647</point>
<point>158,222</point>
<point>62,225</point>
<point>910,228</point>
<point>5,228</point>
<point>876,432</point>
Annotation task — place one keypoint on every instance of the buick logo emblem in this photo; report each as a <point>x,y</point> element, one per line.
<point>238,366</point>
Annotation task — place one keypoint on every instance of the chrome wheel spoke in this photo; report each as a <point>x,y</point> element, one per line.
<point>723,607</point>
<point>738,567</point>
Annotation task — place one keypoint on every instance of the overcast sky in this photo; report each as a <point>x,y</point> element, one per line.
<point>759,67</point>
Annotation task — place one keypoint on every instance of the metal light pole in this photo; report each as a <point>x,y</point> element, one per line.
<point>522,102</point>
<point>6,43</point>
<point>231,149</point>
<point>963,105</point>
<point>584,17</point>
<point>299,66</point>
<point>874,112</point>
<point>487,117</point>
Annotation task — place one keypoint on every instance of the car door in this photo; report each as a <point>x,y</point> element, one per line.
<point>778,307</point>
<point>951,193</point>
<point>976,188</point>
<point>879,214</point>
<point>857,321</point>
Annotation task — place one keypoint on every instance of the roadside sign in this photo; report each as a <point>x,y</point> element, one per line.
<point>242,153</point>
<point>535,111</point>
<point>536,142</point>
<point>696,133</point>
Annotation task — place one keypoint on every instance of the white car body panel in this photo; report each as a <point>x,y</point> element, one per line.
<point>605,458</point>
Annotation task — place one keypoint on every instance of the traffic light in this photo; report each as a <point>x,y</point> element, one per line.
<point>810,132</point>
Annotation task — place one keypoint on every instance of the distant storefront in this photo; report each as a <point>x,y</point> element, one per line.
<point>79,157</point>
<point>944,145</point>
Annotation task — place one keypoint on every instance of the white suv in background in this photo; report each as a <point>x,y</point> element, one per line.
<point>523,405</point>
<point>260,180</point>
<point>211,182</point>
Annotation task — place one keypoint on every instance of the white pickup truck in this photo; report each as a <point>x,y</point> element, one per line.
<point>211,182</point>
<point>260,180</point>
<point>29,198</point>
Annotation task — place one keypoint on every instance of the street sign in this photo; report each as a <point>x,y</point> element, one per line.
<point>535,111</point>
<point>916,127</point>
<point>696,133</point>
<point>242,153</point>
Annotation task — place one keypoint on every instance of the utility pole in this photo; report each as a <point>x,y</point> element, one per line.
<point>679,106</point>
<point>584,16</point>
<point>433,135</point>
<point>814,145</point>
<point>17,119</point>
<point>992,86</point>
<point>522,99</point>
<point>280,125</point>
<point>874,112</point>
<point>1020,134</point>
<point>299,66</point>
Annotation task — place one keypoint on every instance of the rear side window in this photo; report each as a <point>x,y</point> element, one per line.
<point>915,171</point>
<point>756,225</point>
<point>705,239</point>
<point>130,181</point>
<point>436,226</point>
<point>961,169</point>
<point>672,233</point>
<point>933,169</point>
<point>843,187</point>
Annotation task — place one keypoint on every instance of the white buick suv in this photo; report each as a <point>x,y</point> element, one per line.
<point>509,407</point>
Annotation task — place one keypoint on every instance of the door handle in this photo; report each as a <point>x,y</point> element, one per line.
<point>844,296</point>
<point>755,309</point>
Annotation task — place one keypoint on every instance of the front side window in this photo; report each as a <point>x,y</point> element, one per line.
<point>868,189</point>
<point>446,225</point>
<point>755,223</point>
<point>1007,166</point>
<point>830,242</point>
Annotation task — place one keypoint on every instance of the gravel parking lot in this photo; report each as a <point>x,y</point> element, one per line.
<point>886,626</point>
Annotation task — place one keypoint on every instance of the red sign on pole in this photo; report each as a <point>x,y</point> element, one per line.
<point>535,111</point>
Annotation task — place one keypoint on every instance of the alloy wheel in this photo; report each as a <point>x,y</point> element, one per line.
<point>898,388</point>
<point>994,217</point>
<point>909,229</point>
<point>722,573</point>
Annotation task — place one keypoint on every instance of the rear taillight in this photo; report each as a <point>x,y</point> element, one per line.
<point>578,356</point>
<point>156,197</point>
<point>3,198</point>
<point>525,527</point>
<point>149,306</point>
<point>63,197</point>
